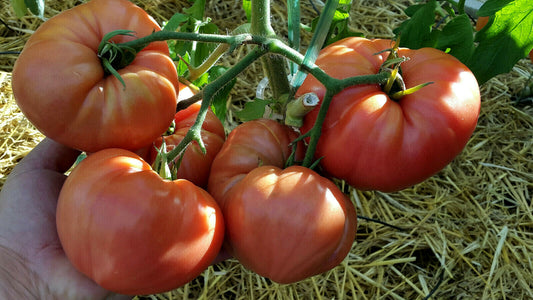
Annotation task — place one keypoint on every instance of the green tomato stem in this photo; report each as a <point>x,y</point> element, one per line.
<point>299,107</point>
<point>334,86</point>
<point>274,66</point>
<point>266,45</point>
<point>194,133</point>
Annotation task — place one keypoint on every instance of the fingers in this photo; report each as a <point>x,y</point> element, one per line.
<point>48,155</point>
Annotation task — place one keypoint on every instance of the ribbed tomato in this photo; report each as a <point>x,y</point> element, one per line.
<point>131,231</point>
<point>375,142</point>
<point>286,224</point>
<point>61,87</point>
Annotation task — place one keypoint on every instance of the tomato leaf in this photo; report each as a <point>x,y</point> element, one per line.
<point>175,21</point>
<point>416,31</point>
<point>196,10</point>
<point>493,50</point>
<point>191,52</point>
<point>505,40</point>
<point>19,6</point>
<point>182,64</point>
<point>218,104</point>
<point>252,110</point>
<point>247,6</point>
<point>457,38</point>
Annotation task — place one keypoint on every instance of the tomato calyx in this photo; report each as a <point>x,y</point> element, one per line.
<point>113,56</point>
<point>395,85</point>
<point>161,165</point>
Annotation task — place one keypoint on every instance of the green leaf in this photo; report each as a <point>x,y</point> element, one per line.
<point>196,10</point>
<point>202,80</point>
<point>416,32</point>
<point>218,104</point>
<point>200,51</point>
<point>19,6</point>
<point>457,38</point>
<point>195,52</point>
<point>252,110</point>
<point>35,6</point>
<point>490,7</point>
<point>181,64</point>
<point>247,6</point>
<point>175,22</point>
<point>505,40</point>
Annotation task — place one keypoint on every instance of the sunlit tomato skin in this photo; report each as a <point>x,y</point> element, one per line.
<point>248,146</point>
<point>288,224</point>
<point>195,165</point>
<point>131,231</point>
<point>60,85</point>
<point>284,224</point>
<point>376,143</point>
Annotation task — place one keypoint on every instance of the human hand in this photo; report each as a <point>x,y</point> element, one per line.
<point>32,262</point>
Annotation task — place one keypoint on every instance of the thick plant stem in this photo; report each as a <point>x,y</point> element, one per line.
<point>316,131</point>
<point>334,86</point>
<point>274,66</point>
<point>194,133</point>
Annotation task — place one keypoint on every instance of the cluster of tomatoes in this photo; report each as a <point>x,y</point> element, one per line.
<point>134,232</point>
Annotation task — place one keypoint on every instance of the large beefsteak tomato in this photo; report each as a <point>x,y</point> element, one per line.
<point>377,143</point>
<point>61,87</point>
<point>284,224</point>
<point>131,231</point>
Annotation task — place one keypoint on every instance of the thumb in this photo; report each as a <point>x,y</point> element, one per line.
<point>48,155</point>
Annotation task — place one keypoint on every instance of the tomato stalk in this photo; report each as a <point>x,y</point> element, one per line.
<point>274,66</point>
<point>115,57</point>
<point>194,133</point>
<point>122,54</point>
<point>334,86</point>
<point>266,45</point>
<point>299,107</point>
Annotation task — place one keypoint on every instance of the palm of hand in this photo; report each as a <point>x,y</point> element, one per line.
<point>28,230</point>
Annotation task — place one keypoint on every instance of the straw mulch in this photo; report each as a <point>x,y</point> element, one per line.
<point>465,233</point>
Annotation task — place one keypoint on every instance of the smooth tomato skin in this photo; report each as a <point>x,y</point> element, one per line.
<point>60,85</point>
<point>132,232</point>
<point>375,143</point>
<point>288,224</point>
<point>195,165</point>
<point>248,146</point>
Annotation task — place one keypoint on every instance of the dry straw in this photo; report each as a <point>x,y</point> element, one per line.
<point>465,233</point>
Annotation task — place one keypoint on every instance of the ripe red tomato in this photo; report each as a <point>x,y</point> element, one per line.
<point>251,144</point>
<point>60,85</point>
<point>131,231</point>
<point>195,165</point>
<point>290,224</point>
<point>284,224</point>
<point>376,143</point>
